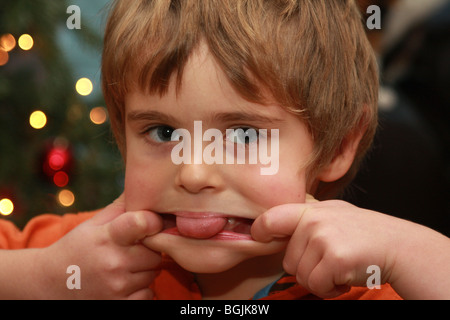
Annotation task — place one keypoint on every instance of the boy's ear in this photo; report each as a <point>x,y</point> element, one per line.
<point>344,157</point>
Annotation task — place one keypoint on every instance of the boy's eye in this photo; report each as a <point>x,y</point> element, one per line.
<point>162,134</point>
<point>242,135</point>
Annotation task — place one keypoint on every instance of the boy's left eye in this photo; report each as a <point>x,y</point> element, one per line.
<point>161,134</point>
<point>242,135</point>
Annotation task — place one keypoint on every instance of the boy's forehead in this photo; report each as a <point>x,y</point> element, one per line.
<point>178,110</point>
<point>204,90</point>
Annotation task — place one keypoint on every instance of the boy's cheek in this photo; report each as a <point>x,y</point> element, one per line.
<point>269,191</point>
<point>133,195</point>
<point>146,179</point>
<point>140,189</point>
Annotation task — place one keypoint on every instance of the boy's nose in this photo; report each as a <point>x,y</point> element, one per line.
<point>196,178</point>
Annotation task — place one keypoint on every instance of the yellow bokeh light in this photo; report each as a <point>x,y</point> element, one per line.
<point>6,207</point>
<point>98,115</point>
<point>66,198</point>
<point>84,87</point>
<point>7,42</point>
<point>26,42</point>
<point>38,120</point>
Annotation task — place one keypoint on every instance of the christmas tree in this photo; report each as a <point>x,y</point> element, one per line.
<point>57,153</point>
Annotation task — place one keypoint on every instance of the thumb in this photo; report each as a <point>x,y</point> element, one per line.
<point>278,222</point>
<point>130,227</point>
<point>110,212</point>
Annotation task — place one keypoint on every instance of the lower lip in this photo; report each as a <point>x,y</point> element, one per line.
<point>223,235</point>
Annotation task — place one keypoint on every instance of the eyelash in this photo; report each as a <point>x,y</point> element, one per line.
<point>160,127</point>
<point>146,135</point>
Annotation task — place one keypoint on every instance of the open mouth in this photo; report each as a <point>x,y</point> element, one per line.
<point>207,226</point>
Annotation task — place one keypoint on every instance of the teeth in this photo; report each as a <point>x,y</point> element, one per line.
<point>231,220</point>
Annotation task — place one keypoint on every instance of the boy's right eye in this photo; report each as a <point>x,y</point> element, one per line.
<point>161,134</point>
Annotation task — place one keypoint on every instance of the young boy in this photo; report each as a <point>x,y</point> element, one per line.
<point>302,71</point>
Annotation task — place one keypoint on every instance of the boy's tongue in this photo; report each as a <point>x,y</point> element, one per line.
<point>200,228</point>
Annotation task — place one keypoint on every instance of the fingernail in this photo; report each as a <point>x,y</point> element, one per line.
<point>140,220</point>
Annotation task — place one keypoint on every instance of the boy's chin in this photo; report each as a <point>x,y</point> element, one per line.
<point>206,263</point>
<point>211,257</point>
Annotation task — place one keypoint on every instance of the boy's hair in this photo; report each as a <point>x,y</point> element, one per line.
<point>312,55</point>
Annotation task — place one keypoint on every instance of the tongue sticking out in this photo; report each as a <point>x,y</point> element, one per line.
<point>200,228</point>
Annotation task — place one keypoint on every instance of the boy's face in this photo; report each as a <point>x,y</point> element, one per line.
<point>204,199</point>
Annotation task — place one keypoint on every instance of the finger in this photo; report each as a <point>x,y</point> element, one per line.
<point>133,283</point>
<point>110,212</point>
<point>307,263</point>
<point>295,249</point>
<point>130,227</point>
<point>144,294</point>
<point>143,280</point>
<point>278,222</point>
<point>322,283</point>
<point>144,259</point>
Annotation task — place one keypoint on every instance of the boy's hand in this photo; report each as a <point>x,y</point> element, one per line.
<point>107,249</point>
<point>332,243</point>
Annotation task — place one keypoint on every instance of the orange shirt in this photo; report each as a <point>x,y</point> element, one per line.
<point>40,232</point>
<point>173,283</point>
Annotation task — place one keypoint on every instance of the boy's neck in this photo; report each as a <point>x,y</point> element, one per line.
<point>243,281</point>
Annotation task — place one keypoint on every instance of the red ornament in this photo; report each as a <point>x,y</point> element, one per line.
<point>58,158</point>
<point>57,163</point>
<point>61,179</point>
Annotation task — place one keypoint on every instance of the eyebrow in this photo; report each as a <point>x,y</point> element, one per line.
<point>217,117</point>
<point>244,116</point>
<point>151,116</point>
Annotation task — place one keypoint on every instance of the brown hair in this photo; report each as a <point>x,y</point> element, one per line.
<point>312,55</point>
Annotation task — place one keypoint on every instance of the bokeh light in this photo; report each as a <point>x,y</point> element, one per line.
<point>98,115</point>
<point>4,57</point>
<point>61,179</point>
<point>66,198</point>
<point>56,160</point>
<point>38,120</point>
<point>7,42</point>
<point>6,207</point>
<point>26,42</point>
<point>84,87</point>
